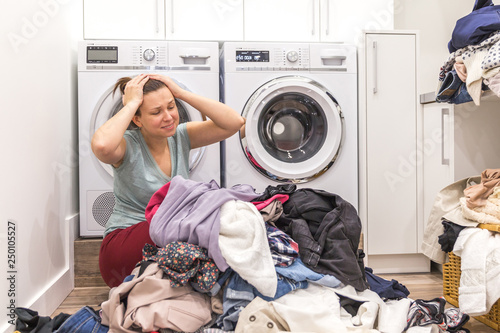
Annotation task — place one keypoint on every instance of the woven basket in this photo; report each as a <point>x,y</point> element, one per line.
<point>451,282</point>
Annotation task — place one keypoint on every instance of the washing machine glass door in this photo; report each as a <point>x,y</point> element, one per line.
<point>293,131</point>
<point>110,103</point>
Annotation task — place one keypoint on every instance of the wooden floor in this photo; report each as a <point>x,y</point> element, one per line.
<point>421,286</point>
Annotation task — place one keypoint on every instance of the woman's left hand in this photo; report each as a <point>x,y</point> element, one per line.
<point>171,85</point>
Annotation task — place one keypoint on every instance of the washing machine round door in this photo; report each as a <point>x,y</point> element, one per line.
<point>110,103</point>
<point>293,131</point>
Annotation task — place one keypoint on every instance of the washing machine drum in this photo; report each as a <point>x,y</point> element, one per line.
<point>111,103</point>
<point>293,131</point>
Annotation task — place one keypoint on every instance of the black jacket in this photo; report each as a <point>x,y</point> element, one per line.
<point>327,229</point>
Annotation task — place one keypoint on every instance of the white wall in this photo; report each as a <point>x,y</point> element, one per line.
<point>38,147</point>
<point>435,21</point>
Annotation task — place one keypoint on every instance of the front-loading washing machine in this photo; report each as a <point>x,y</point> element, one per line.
<point>193,65</point>
<point>300,105</point>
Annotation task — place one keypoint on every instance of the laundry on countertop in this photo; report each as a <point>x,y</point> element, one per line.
<point>476,26</point>
<point>473,65</point>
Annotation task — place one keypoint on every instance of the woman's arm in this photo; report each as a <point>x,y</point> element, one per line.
<point>223,122</point>
<point>108,143</point>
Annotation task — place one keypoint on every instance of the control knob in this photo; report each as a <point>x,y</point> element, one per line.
<point>149,55</point>
<point>292,56</point>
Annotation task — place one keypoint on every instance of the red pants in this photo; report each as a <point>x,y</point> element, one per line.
<point>121,250</point>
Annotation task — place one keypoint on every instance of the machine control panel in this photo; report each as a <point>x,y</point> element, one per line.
<point>121,55</point>
<point>257,59</point>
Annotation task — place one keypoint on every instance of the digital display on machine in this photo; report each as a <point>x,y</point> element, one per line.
<point>252,56</point>
<point>102,54</point>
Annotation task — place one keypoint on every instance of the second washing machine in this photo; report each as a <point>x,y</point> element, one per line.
<point>300,105</point>
<point>193,65</point>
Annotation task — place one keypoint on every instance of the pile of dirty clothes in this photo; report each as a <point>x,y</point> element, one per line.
<point>286,260</point>
<point>233,260</point>
<point>452,227</point>
<point>473,65</point>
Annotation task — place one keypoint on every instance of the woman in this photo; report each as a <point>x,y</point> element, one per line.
<point>146,158</point>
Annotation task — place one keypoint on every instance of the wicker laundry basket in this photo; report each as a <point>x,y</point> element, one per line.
<point>451,282</point>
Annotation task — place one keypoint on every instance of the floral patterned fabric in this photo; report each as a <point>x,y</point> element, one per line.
<point>182,263</point>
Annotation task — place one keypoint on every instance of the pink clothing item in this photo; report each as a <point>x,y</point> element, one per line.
<point>494,84</point>
<point>476,195</point>
<point>155,201</point>
<point>148,303</point>
<point>461,71</point>
<point>261,204</point>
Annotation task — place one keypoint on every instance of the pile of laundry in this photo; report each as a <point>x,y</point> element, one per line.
<point>233,260</point>
<point>452,227</point>
<point>473,65</point>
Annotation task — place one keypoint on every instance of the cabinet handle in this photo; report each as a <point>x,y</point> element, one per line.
<point>327,17</point>
<point>375,65</point>
<point>157,17</point>
<point>444,112</point>
<point>314,18</point>
<point>172,16</point>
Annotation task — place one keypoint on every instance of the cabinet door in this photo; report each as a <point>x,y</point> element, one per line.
<point>344,21</point>
<point>282,20</point>
<point>204,20</point>
<point>124,19</point>
<point>391,144</point>
<point>437,151</point>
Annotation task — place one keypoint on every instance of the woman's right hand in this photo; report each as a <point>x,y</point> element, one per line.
<point>134,91</point>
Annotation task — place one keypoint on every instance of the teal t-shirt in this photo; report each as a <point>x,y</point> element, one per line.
<point>139,176</point>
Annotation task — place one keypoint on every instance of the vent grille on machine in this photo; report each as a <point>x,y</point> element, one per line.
<point>103,207</point>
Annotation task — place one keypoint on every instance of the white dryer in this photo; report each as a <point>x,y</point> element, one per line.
<point>194,65</point>
<point>300,105</point>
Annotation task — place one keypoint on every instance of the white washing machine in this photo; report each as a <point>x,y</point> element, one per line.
<point>194,65</point>
<point>300,105</point>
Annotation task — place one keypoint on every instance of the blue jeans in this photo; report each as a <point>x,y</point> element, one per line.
<point>85,320</point>
<point>453,90</point>
<point>300,272</point>
<point>239,293</point>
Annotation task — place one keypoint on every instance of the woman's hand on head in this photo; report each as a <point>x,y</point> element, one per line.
<point>134,91</point>
<point>171,85</point>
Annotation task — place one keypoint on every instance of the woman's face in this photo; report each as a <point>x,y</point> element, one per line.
<point>158,113</point>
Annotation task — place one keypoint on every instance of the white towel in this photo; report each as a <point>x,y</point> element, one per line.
<point>470,246</point>
<point>244,246</point>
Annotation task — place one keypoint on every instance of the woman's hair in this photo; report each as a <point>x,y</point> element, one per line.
<point>150,86</point>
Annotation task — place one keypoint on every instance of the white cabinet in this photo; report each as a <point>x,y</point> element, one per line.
<point>204,20</point>
<point>389,166</point>
<point>233,20</point>
<point>282,20</point>
<point>344,21</point>
<point>124,19</point>
<point>163,19</point>
<point>315,20</point>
